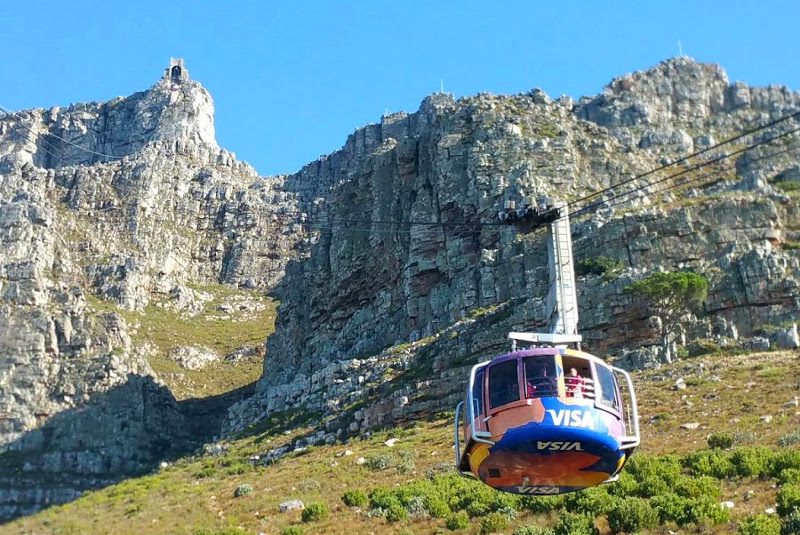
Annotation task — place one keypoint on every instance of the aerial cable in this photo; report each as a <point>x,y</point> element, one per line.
<point>600,203</point>
<point>709,175</point>
<point>687,157</point>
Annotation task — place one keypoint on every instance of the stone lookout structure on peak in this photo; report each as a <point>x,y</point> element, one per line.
<point>177,71</point>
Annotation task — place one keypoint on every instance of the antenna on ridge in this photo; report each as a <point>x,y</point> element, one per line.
<point>441,85</point>
<point>680,49</point>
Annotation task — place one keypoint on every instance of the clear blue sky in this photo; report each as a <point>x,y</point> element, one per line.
<point>292,79</point>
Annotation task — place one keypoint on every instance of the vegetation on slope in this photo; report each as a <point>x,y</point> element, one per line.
<point>246,320</point>
<point>675,478</point>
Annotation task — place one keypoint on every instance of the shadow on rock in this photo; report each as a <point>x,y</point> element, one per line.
<point>123,432</point>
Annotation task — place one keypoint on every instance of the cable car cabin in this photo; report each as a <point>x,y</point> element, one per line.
<point>545,421</point>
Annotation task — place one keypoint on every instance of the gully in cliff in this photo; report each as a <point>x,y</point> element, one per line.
<point>528,427</point>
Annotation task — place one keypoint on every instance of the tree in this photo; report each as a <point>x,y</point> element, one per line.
<point>670,296</point>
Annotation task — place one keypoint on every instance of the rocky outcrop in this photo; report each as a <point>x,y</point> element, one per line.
<point>448,167</point>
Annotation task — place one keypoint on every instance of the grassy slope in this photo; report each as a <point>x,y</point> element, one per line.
<point>164,329</point>
<point>197,492</point>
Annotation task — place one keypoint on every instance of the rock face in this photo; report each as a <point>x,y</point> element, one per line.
<point>448,167</point>
<point>111,203</point>
<point>390,242</point>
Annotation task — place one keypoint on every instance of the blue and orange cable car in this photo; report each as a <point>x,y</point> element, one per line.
<point>547,420</point>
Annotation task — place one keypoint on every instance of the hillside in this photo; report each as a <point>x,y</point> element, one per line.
<point>143,267</point>
<point>727,395</point>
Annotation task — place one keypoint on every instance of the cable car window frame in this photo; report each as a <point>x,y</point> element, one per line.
<point>551,366</point>
<point>478,402</point>
<point>519,397</point>
<point>600,390</point>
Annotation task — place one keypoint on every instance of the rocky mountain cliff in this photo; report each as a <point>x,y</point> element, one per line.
<point>109,209</point>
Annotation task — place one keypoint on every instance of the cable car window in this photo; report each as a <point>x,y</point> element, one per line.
<point>503,383</point>
<point>540,376</point>
<point>477,395</point>
<point>608,387</point>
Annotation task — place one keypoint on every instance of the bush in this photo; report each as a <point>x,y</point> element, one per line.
<point>493,522</point>
<point>784,460</point>
<point>720,440</point>
<point>789,439</point>
<point>602,265</point>
<point>790,475</point>
<point>315,512</point>
<point>706,509</point>
<point>632,515</point>
<point>644,468</point>
<point>752,462</point>
<point>207,471</point>
<point>478,508</point>
<point>652,487</point>
<point>405,466</point>
<point>695,487</point>
<point>382,499</point>
<point>625,486</point>
<point>436,506</point>
<point>714,463</point>
<point>594,501</point>
<point>575,524</point>
<point>671,508</point>
<point>541,504</point>
<point>788,499</point>
<point>292,530</point>
<point>355,498</point>
<point>379,462</point>
<point>761,524</point>
<point>533,530</point>
<point>509,512</point>
<point>243,490</point>
<point>791,524</point>
<point>457,521</point>
<point>396,513</point>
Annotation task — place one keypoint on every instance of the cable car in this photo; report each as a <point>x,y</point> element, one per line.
<point>530,428</point>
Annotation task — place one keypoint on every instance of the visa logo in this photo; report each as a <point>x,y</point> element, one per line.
<point>559,446</point>
<point>572,418</point>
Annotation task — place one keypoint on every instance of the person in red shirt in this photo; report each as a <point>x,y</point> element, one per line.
<point>574,384</point>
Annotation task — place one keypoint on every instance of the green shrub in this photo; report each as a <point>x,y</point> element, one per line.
<point>315,512</point>
<point>626,485</point>
<point>438,469</point>
<point>720,440</point>
<point>602,265</point>
<point>575,524</point>
<point>292,530</point>
<point>478,508</point>
<point>701,347</point>
<point>207,471</point>
<point>436,506</point>
<point>788,499</point>
<point>223,531</point>
<point>706,509</point>
<point>646,467</point>
<point>652,487</point>
<point>380,461</point>
<point>784,460</point>
<point>752,462</point>
<point>761,524</point>
<point>790,475</point>
<point>396,513</point>
<point>791,524</point>
<point>632,515</point>
<point>594,501</point>
<point>714,463</point>
<point>509,512</point>
<point>382,499</point>
<point>533,530</point>
<point>243,490</point>
<point>671,508</point>
<point>457,521</point>
<point>493,523</point>
<point>695,487</point>
<point>405,466</point>
<point>790,439</point>
<point>542,504</point>
<point>355,498</point>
